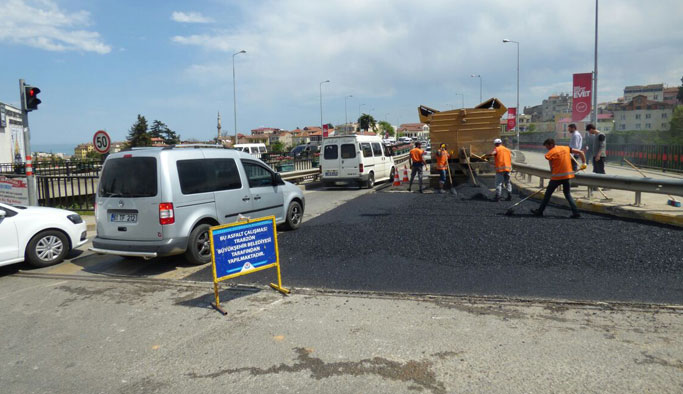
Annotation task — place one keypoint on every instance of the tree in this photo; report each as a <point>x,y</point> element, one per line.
<point>138,135</point>
<point>160,130</point>
<point>277,146</point>
<point>366,122</point>
<point>679,96</point>
<point>675,134</point>
<point>386,128</point>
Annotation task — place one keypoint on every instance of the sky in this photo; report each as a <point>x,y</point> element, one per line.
<point>101,63</point>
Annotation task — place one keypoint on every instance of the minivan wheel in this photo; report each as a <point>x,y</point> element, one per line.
<point>47,248</point>
<point>371,180</point>
<point>295,215</point>
<point>199,246</point>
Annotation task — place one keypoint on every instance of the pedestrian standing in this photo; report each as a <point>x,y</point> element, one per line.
<point>502,161</point>
<point>417,162</point>
<point>598,149</point>
<point>442,157</point>
<point>575,142</point>
<point>559,158</point>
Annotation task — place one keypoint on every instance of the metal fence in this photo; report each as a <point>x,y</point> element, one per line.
<point>54,167</point>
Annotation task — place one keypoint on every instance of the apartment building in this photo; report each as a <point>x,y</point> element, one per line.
<point>11,134</point>
<point>651,92</point>
<point>642,113</point>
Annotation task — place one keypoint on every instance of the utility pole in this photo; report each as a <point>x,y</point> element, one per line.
<point>30,178</point>
<point>594,115</point>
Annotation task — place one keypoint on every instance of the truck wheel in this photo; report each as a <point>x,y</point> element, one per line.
<point>295,215</point>
<point>371,180</point>
<point>199,246</point>
<point>392,174</point>
<point>47,248</point>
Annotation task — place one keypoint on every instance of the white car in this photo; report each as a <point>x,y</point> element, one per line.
<point>40,235</point>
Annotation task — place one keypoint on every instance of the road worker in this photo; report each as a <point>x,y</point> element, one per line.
<point>559,158</point>
<point>417,162</point>
<point>442,157</point>
<point>502,161</point>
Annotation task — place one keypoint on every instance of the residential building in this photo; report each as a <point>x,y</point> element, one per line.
<point>536,112</point>
<point>524,122</point>
<point>670,95</point>
<point>300,137</point>
<point>417,130</point>
<point>284,137</point>
<point>554,105</point>
<point>652,92</point>
<point>81,151</point>
<point>253,139</point>
<point>265,131</point>
<point>643,114</point>
<point>605,125</point>
<point>11,134</point>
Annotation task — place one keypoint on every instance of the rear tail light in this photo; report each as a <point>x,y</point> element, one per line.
<point>166,215</point>
<point>360,167</point>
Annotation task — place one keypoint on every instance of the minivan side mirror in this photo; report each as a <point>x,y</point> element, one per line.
<point>2,213</point>
<point>277,179</point>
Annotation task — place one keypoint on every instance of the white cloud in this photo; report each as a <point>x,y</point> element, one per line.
<point>42,24</point>
<point>189,17</point>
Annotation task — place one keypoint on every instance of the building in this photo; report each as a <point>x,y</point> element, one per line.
<point>11,135</point>
<point>253,139</point>
<point>524,122</point>
<point>536,112</point>
<point>265,131</point>
<point>643,114</point>
<point>555,105</point>
<point>283,137</point>
<point>670,95</point>
<point>652,92</point>
<point>605,125</point>
<point>417,130</point>
<point>81,151</point>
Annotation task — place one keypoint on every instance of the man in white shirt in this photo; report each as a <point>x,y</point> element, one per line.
<point>575,142</point>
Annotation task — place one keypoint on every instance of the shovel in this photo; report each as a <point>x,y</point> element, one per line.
<point>452,184</point>
<point>511,210</point>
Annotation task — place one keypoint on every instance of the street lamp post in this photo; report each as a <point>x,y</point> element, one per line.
<point>346,116</point>
<point>321,105</point>
<point>478,76</point>
<point>360,105</point>
<point>463,98</point>
<point>594,115</point>
<point>517,110</point>
<point>234,90</point>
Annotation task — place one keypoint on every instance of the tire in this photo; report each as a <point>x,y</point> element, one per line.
<point>198,246</point>
<point>392,174</point>
<point>295,215</point>
<point>370,183</point>
<point>46,248</point>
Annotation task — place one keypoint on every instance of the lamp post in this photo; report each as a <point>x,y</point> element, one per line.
<point>321,104</point>
<point>594,115</point>
<point>478,76</point>
<point>234,90</point>
<point>346,116</point>
<point>505,40</point>
<point>463,98</point>
<point>360,105</point>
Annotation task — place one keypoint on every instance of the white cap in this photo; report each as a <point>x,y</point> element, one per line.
<point>497,141</point>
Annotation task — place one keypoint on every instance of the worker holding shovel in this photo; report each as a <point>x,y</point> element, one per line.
<point>442,157</point>
<point>502,160</point>
<point>560,161</point>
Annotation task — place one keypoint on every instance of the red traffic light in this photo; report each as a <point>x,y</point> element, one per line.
<point>32,99</point>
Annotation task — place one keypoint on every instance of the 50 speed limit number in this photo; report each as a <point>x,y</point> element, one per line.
<point>101,142</point>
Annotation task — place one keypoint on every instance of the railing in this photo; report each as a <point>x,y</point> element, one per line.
<point>49,167</point>
<point>637,185</point>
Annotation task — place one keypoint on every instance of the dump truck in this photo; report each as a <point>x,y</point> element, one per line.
<point>468,133</point>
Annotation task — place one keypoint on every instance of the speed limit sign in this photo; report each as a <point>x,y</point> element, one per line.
<point>101,142</point>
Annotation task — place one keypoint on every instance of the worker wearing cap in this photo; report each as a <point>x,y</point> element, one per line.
<point>560,161</point>
<point>417,161</point>
<point>442,157</point>
<point>502,161</point>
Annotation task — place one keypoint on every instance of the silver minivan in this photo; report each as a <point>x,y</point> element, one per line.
<point>162,201</point>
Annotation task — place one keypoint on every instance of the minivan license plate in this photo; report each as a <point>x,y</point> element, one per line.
<point>124,217</point>
<point>331,173</point>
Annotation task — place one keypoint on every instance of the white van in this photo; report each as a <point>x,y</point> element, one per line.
<point>255,150</point>
<point>358,159</point>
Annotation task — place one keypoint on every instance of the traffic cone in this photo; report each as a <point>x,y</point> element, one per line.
<point>405,174</point>
<point>397,182</point>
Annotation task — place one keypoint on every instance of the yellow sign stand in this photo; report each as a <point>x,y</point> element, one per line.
<point>243,248</point>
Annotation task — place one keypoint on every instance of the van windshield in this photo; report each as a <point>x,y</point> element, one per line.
<point>129,177</point>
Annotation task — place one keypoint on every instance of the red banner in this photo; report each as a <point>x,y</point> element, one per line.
<point>325,131</point>
<point>581,103</point>
<point>512,118</point>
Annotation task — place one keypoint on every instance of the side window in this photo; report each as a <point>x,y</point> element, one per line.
<point>207,175</point>
<point>348,151</point>
<point>376,149</point>
<point>257,175</point>
<point>331,152</point>
<point>225,171</point>
<point>365,148</point>
<point>262,149</point>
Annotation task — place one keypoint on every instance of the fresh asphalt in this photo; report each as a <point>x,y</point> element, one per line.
<point>465,245</point>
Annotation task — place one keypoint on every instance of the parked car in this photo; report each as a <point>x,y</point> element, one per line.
<point>162,201</point>
<point>307,150</point>
<point>40,235</point>
<point>356,159</point>
<point>255,150</point>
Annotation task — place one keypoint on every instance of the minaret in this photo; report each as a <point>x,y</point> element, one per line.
<point>219,126</point>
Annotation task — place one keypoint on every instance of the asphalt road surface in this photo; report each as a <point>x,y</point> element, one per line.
<point>439,244</point>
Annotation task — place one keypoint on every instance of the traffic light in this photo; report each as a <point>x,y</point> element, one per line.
<point>32,100</point>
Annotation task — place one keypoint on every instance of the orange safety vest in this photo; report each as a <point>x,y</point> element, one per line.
<point>416,155</point>
<point>560,163</point>
<point>502,159</point>
<point>442,157</point>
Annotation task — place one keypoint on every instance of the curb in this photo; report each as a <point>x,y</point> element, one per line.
<point>619,211</point>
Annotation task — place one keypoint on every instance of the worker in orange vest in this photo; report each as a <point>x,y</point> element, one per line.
<point>502,161</point>
<point>442,157</point>
<point>416,164</point>
<point>560,161</point>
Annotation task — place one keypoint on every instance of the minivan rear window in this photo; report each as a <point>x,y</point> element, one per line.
<point>207,175</point>
<point>331,152</point>
<point>348,151</point>
<point>129,177</point>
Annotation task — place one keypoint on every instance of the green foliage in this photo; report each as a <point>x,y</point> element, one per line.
<point>679,96</point>
<point>93,155</point>
<point>532,128</point>
<point>277,146</point>
<point>138,135</point>
<point>160,130</point>
<point>366,122</point>
<point>674,135</point>
<point>385,127</point>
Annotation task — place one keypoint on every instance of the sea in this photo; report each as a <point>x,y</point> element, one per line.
<point>67,149</point>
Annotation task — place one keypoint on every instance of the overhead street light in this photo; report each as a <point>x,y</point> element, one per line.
<point>505,40</point>
<point>463,98</point>
<point>360,105</point>
<point>478,76</point>
<point>321,106</point>
<point>346,116</point>
<point>234,90</point>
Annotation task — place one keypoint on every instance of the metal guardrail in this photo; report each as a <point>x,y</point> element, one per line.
<point>637,185</point>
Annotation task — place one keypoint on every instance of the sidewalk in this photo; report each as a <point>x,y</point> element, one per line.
<point>620,203</point>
